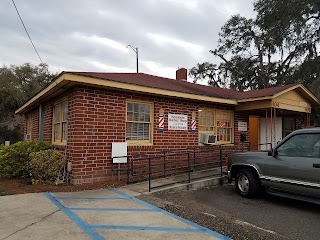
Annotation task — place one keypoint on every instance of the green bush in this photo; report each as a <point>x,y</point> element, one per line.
<point>46,166</point>
<point>14,159</point>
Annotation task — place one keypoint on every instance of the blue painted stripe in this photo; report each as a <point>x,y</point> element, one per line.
<point>148,228</point>
<point>76,219</point>
<point>89,198</point>
<point>114,209</point>
<point>203,229</point>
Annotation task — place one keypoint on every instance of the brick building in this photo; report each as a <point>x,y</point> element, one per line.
<point>82,113</point>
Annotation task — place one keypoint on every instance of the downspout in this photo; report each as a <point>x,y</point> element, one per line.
<point>41,122</point>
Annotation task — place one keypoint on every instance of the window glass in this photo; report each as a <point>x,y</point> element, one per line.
<point>57,132</point>
<point>57,113</point>
<point>60,122</point>
<point>138,125</point>
<point>217,122</point>
<point>64,111</point>
<point>29,127</point>
<point>302,145</point>
<point>289,125</point>
<point>224,121</point>
<point>206,121</point>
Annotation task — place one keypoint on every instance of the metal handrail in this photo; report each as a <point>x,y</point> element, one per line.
<point>183,151</point>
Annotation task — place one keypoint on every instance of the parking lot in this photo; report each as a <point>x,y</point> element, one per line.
<point>221,209</point>
<point>95,214</point>
<point>212,213</point>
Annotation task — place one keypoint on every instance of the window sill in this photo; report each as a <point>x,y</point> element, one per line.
<point>217,144</point>
<point>56,144</point>
<point>132,144</point>
<point>224,144</point>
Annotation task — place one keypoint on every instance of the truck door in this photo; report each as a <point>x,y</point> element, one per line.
<point>295,165</point>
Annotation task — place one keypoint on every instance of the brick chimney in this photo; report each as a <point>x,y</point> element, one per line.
<point>181,74</point>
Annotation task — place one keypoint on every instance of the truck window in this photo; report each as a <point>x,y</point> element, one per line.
<point>302,145</point>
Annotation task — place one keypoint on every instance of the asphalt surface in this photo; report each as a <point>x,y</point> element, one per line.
<point>221,209</point>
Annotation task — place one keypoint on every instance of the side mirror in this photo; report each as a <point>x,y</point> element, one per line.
<point>272,152</point>
<point>275,152</point>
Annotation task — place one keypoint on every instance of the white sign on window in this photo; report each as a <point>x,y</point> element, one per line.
<point>242,126</point>
<point>177,122</point>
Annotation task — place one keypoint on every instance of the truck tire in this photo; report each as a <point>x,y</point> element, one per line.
<point>247,183</point>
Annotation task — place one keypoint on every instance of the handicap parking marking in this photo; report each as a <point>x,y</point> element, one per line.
<point>149,228</point>
<point>196,226</point>
<point>76,219</point>
<point>90,198</point>
<point>115,209</point>
<point>92,229</point>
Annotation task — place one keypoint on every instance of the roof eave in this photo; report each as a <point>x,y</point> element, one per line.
<point>78,79</point>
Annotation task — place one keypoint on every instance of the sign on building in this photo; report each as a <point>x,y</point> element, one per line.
<point>177,122</point>
<point>119,152</point>
<point>242,126</point>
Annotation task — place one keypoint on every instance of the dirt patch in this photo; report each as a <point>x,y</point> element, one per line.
<point>20,186</point>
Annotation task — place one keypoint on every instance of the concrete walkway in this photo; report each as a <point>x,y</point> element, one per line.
<point>94,214</point>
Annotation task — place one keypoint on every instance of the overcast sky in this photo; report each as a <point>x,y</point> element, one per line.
<point>90,35</point>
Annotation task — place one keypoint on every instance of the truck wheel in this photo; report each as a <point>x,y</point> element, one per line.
<point>247,183</point>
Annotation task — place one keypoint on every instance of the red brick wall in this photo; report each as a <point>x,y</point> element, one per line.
<point>47,122</point>
<point>97,118</point>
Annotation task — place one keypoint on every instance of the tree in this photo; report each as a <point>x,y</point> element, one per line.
<point>207,71</point>
<point>295,26</point>
<point>277,47</point>
<point>17,84</point>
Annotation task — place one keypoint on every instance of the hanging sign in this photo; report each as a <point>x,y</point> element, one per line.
<point>177,122</point>
<point>194,122</point>
<point>161,120</point>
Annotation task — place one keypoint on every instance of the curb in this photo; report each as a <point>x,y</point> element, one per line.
<point>194,185</point>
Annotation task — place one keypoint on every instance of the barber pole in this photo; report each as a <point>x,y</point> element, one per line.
<point>161,120</point>
<point>194,122</point>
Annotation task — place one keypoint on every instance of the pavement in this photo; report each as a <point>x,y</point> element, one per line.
<point>94,214</point>
<point>223,210</point>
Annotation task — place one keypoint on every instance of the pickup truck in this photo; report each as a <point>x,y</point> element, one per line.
<point>291,169</point>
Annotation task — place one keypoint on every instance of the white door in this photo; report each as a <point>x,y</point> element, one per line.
<point>270,139</point>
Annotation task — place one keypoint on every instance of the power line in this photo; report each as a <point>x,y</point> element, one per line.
<point>27,31</point>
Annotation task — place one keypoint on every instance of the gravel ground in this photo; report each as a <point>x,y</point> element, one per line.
<point>222,222</point>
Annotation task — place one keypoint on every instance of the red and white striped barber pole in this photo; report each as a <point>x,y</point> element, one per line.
<point>161,120</point>
<point>194,122</point>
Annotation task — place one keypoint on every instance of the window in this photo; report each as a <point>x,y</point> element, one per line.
<point>288,125</point>
<point>217,122</point>
<point>206,121</point>
<point>60,122</point>
<point>29,127</point>
<point>302,145</point>
<point>224,125</point>
<point>139,121</point>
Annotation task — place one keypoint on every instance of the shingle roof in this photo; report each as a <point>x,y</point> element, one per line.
<point>263,92</point>
<point>147,80</point>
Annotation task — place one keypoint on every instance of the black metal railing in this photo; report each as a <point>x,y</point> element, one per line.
<point>153,165</point>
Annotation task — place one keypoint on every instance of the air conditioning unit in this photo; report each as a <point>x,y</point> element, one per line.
<point>207,138</point>
<point>28,137</point>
